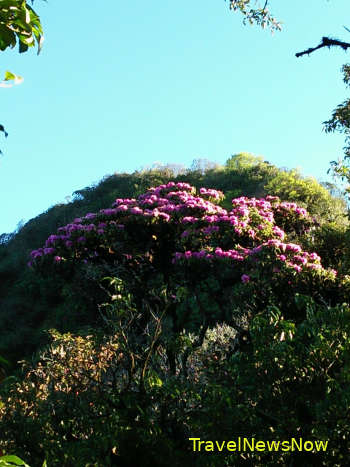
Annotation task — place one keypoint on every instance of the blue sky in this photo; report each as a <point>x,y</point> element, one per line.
<point>120,85</point>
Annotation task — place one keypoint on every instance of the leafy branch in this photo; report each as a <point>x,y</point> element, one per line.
<point>260,16</point>
<point>19,24</point>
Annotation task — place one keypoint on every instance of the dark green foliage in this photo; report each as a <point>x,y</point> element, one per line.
<point>113,399</point>
<point>292,379</point>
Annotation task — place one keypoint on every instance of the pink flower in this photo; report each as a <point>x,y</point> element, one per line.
<point>90,215</point>
<point>51,240</point>
<point>109,212</point>
<point>300,259</point>
<point>120,208</point>
<point>35,253</point>
<point>188,219</point>
<point>165,216</point>
<point>257,249</point>
<point>279,232</point>
<point>245,278</point>
<point>301,211</point>
<point>251,233</point>
<point>219,252</point>
<point>136,210</point>
<point>314,266</point>
<point>293,247</point>
<point>314,257</point>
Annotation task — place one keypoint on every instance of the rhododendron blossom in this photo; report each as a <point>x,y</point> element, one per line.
<point>201,231</point>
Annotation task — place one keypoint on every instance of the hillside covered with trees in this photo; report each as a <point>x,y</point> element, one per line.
<point>173,303</point>
<point>173,316</point>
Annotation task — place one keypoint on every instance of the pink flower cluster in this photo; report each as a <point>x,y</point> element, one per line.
<point>236,255</point>
<point>288,207</point>
<point>298,262</point>
<point>215,194</point>
<point>171,202</point>
<point>196,221</point>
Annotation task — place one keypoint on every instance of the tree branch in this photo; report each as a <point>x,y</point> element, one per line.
<point>326,42</point>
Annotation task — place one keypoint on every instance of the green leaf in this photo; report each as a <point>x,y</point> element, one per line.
<point>9,76</point>
<point>23,47</point>
<point>7,37</point>
<point>154,380</point>
<point>8,461</point>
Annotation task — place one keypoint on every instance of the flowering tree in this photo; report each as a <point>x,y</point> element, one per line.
<point>216,264</point>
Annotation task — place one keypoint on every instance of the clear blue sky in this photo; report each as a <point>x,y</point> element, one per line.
<point>120,85</point>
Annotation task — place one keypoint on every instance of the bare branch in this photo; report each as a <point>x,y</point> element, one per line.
<point>326,42</point>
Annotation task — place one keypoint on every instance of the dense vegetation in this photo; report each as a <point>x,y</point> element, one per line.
<point>171,304</point>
